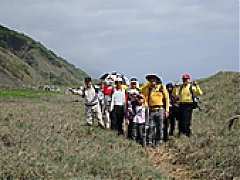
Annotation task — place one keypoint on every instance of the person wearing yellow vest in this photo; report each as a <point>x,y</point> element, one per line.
<point>157,101</point>
<point>186,94</point>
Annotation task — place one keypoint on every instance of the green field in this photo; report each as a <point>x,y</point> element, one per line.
<point>48,139</point>
<point>24,93</point>
<point>43,136</point>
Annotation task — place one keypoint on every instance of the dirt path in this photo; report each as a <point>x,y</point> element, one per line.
<point>165,159</point>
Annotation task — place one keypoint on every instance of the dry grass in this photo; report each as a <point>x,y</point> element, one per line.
<point>213,152</point>
<point>48,139</point>
<point>45,138</point>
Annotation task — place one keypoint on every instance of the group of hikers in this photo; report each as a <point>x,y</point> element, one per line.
<point>151,110</point>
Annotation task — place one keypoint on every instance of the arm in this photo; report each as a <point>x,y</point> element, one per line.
<point>112,103</point>
<point>167,100</point>
<point>197,90</point>
<point>144,90</point>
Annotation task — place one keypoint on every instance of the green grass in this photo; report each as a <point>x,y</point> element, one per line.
<point>23,93</point>
<point>213,152</point>
<point>49,140</point>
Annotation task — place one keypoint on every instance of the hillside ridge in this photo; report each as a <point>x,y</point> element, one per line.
<point>24,61</point>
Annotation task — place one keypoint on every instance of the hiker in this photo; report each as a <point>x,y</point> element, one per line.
<point>107,91</point>
<point>132,94</point>
<point>187,93</point>
<point>117,108</point>
<point>98,89</point>
<point>92,106</point>
<point>157,100</point>
<point>173,113</point>
<point>138,123</point>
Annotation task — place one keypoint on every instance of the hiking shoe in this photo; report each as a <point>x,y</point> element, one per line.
<point>89,124</point>
<point>101,125</point>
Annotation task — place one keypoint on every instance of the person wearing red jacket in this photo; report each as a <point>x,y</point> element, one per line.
<point>107,91</point>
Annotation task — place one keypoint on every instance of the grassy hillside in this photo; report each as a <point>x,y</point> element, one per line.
<point>43,136</point>
<point>25,61</point>
<point>213,152</point>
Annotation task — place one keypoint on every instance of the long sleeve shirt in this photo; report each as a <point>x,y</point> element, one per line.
<point>90,96</point>
<point>118,98</point>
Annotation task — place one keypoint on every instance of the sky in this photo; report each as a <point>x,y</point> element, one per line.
<point>136,37</point>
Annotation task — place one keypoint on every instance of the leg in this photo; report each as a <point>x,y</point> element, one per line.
<point>99,115</point>
<point>114,119</point>
<point>141,135</point>
<point>181,120</point>
<point>184,120</point>
<point>189,111</point>
<point>134,131</point>
<point>172,121</point>
<point>159,118</point>
<point>165,129</point>
<point>107,118</point>
<point>151,132</point>
<point>120,117</point>
<point>88,114</point>
<point>130,129</point>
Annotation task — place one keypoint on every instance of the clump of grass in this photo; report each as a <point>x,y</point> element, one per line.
<point>23,93</point>
<point>49,140</point>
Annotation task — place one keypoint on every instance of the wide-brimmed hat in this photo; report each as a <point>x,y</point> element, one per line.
<point>104,76</point>
<point>153,76</point>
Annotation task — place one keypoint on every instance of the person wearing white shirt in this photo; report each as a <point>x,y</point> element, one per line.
<point>92,106</point>
<point>118,107</point>
<point>138,127</point>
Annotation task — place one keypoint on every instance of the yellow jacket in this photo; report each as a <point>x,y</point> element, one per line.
<point>158,96</point>
<point>184,93</point>
<point>125,87</point>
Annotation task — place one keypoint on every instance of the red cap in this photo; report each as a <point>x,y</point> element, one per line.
<point>186,76</point>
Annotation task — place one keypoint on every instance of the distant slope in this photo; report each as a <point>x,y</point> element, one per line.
<point>24,61</point>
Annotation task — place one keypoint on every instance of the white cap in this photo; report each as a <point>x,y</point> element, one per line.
<point>118,80</point>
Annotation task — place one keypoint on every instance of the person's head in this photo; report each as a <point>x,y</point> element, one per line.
<point>140,99</point>
<point>186,78</point>
<point>101,84</point>
<point>118,83</point>
<point>97,88</point>
<point>169,87</point>
<point>88,82</point>
<point>154,80</point>
<point>133,83</point>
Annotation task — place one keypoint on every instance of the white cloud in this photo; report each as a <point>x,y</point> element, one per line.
<point>133,34</point>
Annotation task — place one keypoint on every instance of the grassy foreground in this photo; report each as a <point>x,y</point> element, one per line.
<point>48,139</point>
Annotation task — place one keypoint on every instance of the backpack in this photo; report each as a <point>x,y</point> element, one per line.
<point>161,89</point>
<point>194,98</point>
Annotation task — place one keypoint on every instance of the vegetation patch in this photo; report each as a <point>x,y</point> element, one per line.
<point>24,93</point>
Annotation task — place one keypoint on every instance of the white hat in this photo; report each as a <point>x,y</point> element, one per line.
<point>118,80</point>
